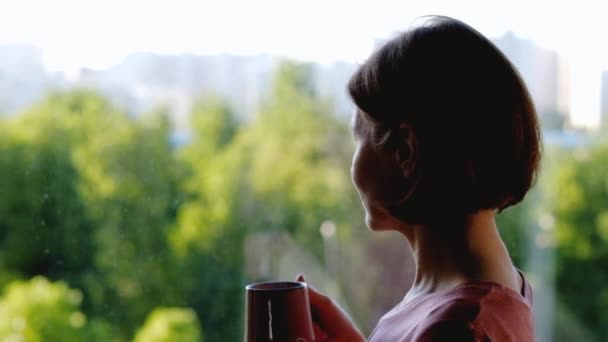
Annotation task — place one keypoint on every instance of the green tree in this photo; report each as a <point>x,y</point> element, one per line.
<point>129,182</point>
<point>581,212</point>
<point>208,234</point>
<point>298,165</point>
<point>38,310</point>
<point>87,195</point>
<point>43,225</point>
<point>170,325</point>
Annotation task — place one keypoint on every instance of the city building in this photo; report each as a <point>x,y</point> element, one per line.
<point>544,71</point>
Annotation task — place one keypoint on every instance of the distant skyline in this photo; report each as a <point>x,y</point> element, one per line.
<point>97,34</point>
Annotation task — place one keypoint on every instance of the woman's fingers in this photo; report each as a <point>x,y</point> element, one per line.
<point>331,319</point>
<point>316,298</point>
<point>320,334</point>
<point>322,306</point>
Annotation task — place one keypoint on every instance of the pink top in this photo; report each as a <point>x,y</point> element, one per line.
<point>476,311</point>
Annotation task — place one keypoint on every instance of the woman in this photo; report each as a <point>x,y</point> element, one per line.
<point>447,136</point>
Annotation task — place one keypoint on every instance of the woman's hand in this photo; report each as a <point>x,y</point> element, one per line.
<point>331,324</point>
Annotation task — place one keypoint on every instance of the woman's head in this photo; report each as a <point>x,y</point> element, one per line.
<point>445,127</point>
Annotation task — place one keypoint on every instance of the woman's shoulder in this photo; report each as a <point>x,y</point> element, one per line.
<point>476,298</point>
<point>475,311</point>
<point>479,311</point>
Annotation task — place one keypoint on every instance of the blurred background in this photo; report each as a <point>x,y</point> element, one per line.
<point>155,157</point>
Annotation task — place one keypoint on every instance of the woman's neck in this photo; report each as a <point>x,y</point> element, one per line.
<point>448,255</point>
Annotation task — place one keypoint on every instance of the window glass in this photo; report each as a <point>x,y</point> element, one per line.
<point>157,157</point>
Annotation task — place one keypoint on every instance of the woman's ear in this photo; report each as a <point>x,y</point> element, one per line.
<point>405,153</point>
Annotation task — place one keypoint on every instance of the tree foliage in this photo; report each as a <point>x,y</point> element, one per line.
<point>38,310</point>
<point>581,211</point>
<point>170,325</point>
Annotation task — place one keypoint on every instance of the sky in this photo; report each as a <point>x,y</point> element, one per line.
<point>98,34</point>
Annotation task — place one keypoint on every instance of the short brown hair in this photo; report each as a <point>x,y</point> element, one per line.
<point>475,124</point>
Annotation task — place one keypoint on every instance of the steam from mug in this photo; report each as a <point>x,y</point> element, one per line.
<point>278,312</point>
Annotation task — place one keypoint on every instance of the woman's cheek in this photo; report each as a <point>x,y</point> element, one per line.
<point>359,174</point>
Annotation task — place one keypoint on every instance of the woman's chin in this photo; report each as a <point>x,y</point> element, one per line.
<point>376,224</point>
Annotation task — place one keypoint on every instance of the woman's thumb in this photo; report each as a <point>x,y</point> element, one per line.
<point>317,299</point>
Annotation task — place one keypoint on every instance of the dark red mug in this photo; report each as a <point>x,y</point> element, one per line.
<point>278,312</point>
